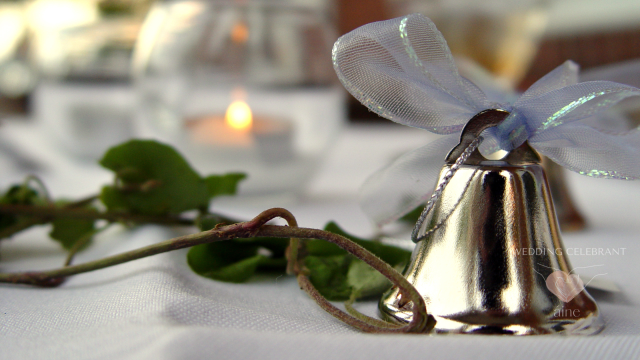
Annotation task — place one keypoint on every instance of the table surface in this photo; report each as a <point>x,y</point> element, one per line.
<point>156,308</point>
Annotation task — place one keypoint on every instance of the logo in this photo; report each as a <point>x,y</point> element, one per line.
<point>564,286</point>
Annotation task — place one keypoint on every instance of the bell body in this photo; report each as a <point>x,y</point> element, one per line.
<point>483,267</point>
<point>569,217</point>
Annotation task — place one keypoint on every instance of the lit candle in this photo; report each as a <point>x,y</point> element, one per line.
<point>232,130</point>
<point>240,129</point>
<point>239,116</point>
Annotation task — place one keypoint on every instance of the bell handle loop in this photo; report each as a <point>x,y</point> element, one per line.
<point>466,153</point>
<point>464,156</point>
<point>472,130</point>
<point>467,148</point>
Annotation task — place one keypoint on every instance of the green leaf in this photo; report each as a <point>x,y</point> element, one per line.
<point>237,260</point>
<point>337,277</point>
<point>223,184</point>
<point>21,195</point>
<point>389,253</point>
<point>334,272</point>
<point>225,261</point>
<point>68,231</point>
<point>276,246</point>
<point>324,248</point>
<point>365,280</point>
<point>154,179</point>
<point>333,278</point>
<point>237,272</point>
<point>18,195</point>
<point>218,254</point>
<point>329,275</point>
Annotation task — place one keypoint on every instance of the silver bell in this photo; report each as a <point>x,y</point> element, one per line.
<point>490,258</point>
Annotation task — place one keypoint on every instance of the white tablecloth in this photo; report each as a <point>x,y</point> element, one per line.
<point>156,308</point>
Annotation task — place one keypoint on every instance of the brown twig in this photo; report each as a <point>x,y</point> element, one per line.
<point>45,213</point>
<point>421,321</point>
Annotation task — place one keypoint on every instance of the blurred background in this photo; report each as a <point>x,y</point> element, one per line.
<point>94,39</point>
<point>250,82</point>
<point>518,40</point>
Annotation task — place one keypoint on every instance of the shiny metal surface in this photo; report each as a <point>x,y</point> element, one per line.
<point>485,267</point>
<point>569,217</point>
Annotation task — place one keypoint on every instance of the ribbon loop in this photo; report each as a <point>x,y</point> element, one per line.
<point>402,70</point>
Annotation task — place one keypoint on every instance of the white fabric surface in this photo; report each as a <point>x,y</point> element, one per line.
<point>156,308</point>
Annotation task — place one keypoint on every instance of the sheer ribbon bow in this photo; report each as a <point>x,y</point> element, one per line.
<point>403,70</point>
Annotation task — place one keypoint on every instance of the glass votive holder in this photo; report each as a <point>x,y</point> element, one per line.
<point>242,86</point>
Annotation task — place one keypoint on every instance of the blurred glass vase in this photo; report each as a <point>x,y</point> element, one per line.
<point>83,97</point>
<point>241,86</point>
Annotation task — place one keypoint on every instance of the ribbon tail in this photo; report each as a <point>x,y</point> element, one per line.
<point>589,152</point>
<point>574,104</point>
<point>400,187</point>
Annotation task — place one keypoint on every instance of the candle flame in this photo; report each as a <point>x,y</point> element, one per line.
<point>239,33</point>
<point>239,116</point>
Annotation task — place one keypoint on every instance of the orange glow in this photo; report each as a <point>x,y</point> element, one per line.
<point>239,116</point>
<point>240,33</point>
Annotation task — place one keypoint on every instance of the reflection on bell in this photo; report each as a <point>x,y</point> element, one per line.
<point>492,260</point>
<point>569,217</point>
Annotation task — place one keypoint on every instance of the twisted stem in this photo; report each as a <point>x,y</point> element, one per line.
<point>421,322</point>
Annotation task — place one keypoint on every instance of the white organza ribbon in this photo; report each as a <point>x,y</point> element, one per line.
<point>402,69</point>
